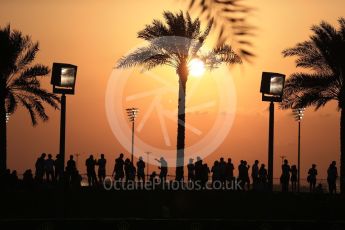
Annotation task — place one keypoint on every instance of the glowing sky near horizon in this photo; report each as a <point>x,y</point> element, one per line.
<point>94,34</point>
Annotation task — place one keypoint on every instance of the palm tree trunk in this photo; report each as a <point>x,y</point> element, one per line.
<point>181,127</point>
<point>3,152</point>
<point>342,151</point>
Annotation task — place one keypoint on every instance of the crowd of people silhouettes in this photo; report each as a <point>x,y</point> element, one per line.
<point>50,171</point>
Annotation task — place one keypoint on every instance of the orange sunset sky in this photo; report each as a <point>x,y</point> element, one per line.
<point>94,34</point>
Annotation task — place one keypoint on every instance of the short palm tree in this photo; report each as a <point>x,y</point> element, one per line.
<point>175,43</point>
<point>323,55</point>
<point>19,83</point>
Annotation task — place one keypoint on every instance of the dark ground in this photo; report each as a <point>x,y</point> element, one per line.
<point>90,209</point>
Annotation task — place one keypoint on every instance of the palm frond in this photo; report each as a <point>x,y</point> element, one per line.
<point>342,27</point>
<point>27,57</point>
<point>304,81</point>
<point>230,23</point>
<point>147,56</point>
<point>29,108</point>
<point>29,76</point>
<point>40,94</point>
<point>308,55</point>
<point>303,90</point>
<point>219,55</point>
<point>206,31</point>
<point>11,103</point>
<point>311,97</point>
<point>150,32</point>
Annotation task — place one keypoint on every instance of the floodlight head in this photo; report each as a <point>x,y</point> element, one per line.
<point>299,113</point>
<point>7,117</point>
<point>63,78</point>
<point>132,113</point>
<point>272,86</point>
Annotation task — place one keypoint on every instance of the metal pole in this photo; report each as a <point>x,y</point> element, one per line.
<point>63,131</point>
<point>132,141</point>
<point>270,146</point>
<point>299,157</point>
<point>147,167</point>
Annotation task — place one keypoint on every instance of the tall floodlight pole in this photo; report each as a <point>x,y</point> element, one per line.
<point>271,146</point>
<point>272,85</point>
<point>63,80</point>
<point>299,112</point>
<point>147,165</point>
<point>132,114</point>
<point>63,129</point>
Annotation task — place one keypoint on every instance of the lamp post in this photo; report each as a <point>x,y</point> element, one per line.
<point>272,85</point>
<point>63,81</point>
<point>147,167</point>
<point>299,112</point>
<point>132,114</point>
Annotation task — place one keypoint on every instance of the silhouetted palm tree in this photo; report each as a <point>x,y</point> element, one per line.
<point>175,44</point>
<point>19,84</point>
<point>324,55</point>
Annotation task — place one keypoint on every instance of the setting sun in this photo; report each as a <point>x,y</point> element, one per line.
<point>196,67</point>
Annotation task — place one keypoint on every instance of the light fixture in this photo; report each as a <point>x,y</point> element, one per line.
<point>299,113</point>
<point>7,117</point>
<point>132,115</point>
<point>272,86</point>
<point>63,80</point>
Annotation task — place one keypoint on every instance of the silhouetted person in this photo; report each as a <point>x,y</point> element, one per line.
<point>332,175</point>
<point>198,169</point>
<point>312,173</point>
<point>243,174</point>
<point>39,173</point>
<point>285,177</point>
<point>118,168</point>
<point>76,180</point>
<point>153,177</point>
<point>263,177</point>
<point>215,172</point>
<point>59,168</point>
<point>246,174</point>
<point>14,179</point>
<point>141,169</point>
<point>132,171</point>
<point>129,170</point>
<point>6,178</point>
<point>49,168</point>
<point>90,170</point>
<point>229,170</point>
<point>294,173</point>
<point>255,174</point>
<point>101,168</point>
<point>222,170</point>
<point>70,169</point>
<point>204,174</point>
<point>163,168</point>
<point>319,188</point>
<point>28,180</point>
<point>191,170</point>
